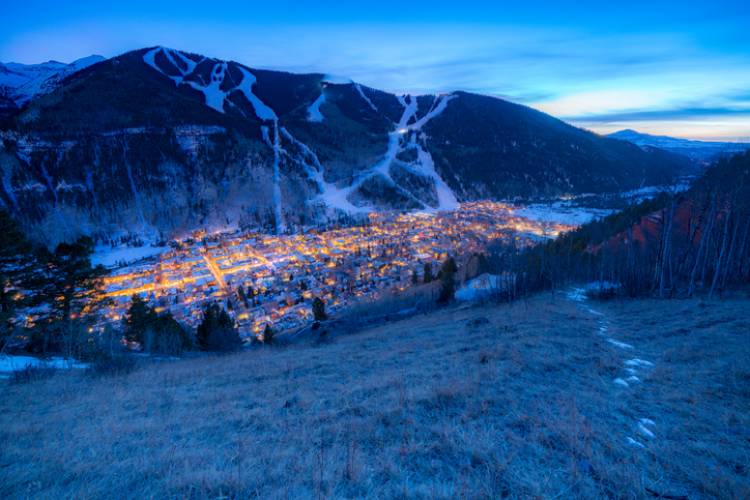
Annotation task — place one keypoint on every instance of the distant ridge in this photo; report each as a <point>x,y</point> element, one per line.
<point>703,151</point>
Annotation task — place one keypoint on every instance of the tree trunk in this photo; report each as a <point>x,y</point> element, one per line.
<point>707,227</point>
<point>717,270</point>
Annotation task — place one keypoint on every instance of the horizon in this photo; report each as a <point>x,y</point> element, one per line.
<point>679,70</point>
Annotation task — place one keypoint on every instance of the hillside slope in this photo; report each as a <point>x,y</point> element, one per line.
<point>487,402</point>
<point>161,142</point>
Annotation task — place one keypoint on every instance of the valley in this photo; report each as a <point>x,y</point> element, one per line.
<point>271,280</point>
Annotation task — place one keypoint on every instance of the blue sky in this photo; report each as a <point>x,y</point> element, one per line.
<point>678,68</point>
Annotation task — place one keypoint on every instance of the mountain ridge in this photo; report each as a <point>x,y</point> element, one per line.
<point>704,151</point>
<point>159,141</point>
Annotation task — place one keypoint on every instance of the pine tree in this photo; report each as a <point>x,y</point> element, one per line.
<point>268,335</point>
<point>319,309</point>
<point>217,331</point>
<point>68,283</point>
<point>17,266</point>
<point>427,276</point>
<point>138,318</point>
<point>447,276</point>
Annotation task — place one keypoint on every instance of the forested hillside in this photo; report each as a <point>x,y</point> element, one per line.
<point>672,245</point>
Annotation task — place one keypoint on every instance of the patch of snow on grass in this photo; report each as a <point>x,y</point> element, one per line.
<point>619,344</point>
<point>12,363</point>
<point>479,287</point>
<point>638,362</point>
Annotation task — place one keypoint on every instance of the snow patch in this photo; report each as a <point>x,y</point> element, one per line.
<point>10,363</point>
<point>638,362</point>
<point>617,343</point>
<point>479,287</point>
<point>119,256</point>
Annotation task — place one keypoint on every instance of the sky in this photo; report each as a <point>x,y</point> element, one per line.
<point>679,68</point>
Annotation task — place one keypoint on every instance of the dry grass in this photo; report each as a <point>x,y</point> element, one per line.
<point>504,401</point>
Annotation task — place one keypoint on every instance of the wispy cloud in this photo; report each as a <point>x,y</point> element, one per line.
<point>587,75</point>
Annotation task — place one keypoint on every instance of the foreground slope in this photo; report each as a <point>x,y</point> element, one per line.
<point>497,401</point>
<point>159,141</point>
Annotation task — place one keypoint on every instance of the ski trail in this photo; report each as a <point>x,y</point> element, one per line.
<point>425,165</point>
<point>643,427</point>
<point>364,96</point>
<point>329,194</point>
<point>313,112</point>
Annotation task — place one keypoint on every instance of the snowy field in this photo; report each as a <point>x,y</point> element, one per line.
<point>562,212</point>
<point>117,256</point>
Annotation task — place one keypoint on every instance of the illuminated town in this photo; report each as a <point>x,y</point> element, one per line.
<point>271,280</point>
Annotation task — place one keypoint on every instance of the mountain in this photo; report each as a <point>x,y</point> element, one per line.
<point>21,82</point>
<point>701,151</point>
<point>160,142</point>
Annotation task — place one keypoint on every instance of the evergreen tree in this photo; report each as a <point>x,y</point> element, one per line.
<point>17,266</point>
<point>164,335</point>
<point>319,309</point>
<point>217,331</point>
<point>447,277</point>
<point>67,283</point>
<point>268,335</point>
<point>414,278</point>
<point>138,318</point>
<point>427,277</point>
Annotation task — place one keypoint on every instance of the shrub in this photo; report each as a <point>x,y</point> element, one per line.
<point>31,374</point>
<point>112,366</point>
<point>217,331</point>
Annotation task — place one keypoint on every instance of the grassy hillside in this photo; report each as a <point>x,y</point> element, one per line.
<point>493,401</point>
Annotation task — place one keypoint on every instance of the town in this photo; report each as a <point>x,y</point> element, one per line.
<point>272,279</point>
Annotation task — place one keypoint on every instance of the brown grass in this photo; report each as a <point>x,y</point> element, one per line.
<point>438,405</point>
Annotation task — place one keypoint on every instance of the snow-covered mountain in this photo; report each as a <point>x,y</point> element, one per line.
<point>703,151</point>
<point>159,141</point>
<point>22,82</point>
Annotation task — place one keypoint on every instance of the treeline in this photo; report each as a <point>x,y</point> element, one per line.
<point>676,244</point>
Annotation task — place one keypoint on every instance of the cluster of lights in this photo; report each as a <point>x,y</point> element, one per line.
<point>282,273</point>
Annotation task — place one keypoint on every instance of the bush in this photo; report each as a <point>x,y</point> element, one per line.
<point>31,374</point>
<point>217,331</point>
<point>112,366</point>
